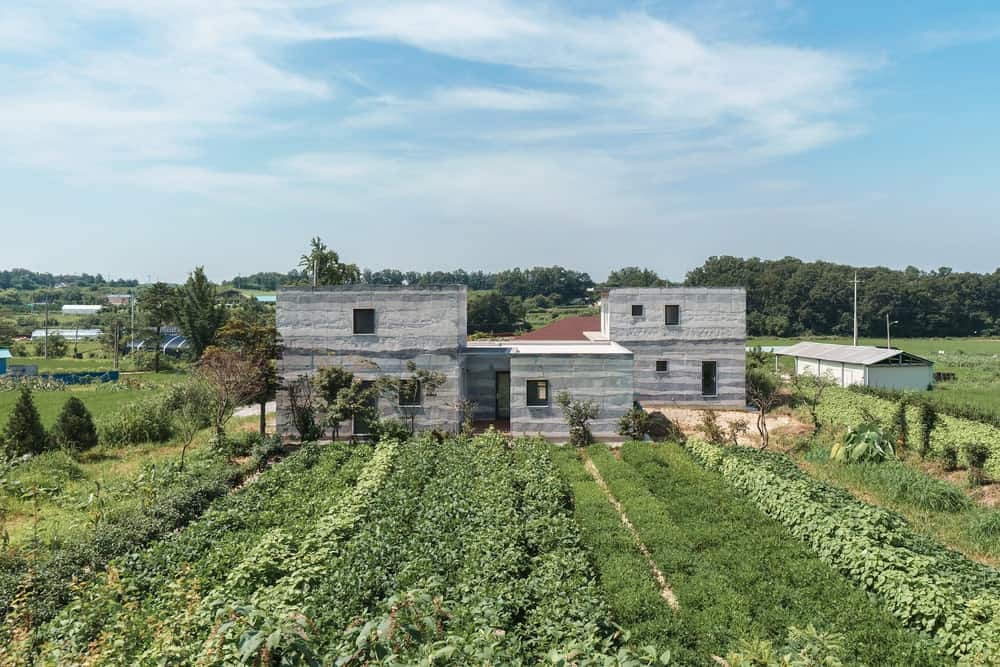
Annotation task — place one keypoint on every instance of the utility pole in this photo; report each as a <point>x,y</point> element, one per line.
<point>131,330</point>
<point>46,326</point>
<point>116,343</point>
<point>315,270</point>
<point>855,309</point>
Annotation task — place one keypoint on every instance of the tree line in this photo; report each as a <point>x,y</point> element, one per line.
<point>790,297</point>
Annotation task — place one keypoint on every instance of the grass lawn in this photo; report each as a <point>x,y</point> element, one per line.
<point>104,476</point>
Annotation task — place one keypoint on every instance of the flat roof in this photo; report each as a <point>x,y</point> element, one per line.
<point>516,347</point>
<point>866,355</point>
<point>5,353</point>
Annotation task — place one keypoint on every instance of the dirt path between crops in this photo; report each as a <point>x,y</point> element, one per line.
<point>665,592</point>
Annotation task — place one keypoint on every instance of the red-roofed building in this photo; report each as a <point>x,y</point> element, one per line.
<point>567,328</point>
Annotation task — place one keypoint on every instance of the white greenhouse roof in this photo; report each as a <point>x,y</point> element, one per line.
<point>865,355</point>
<point>68,334</point>
<point>82,309</point>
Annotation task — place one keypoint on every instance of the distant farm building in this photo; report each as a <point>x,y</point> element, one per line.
<point>91,309</point>
<point>267,298</point>
<point>170,343</point>
<point>4,356</point>
<point>119,299</point>
<point>69,334</point>
<point>866,365</point>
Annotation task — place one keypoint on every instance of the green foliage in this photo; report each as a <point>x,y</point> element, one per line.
<point>199,312</point>
<point>928,587</point>
<point>24,433</point>
<point>976,454</point>
<point>393,429</point>
<point>74,430</point>
<point>323,266</point>
<point>578,415</point>
<point>634,424</point>
<point>144,420</point>
<point>634,276</point>
<point>711,429</point>
<point>328,383</point>
<point>661,428</point>
<point>492,312</point>
<point>805,647</point>
<point>865,443</point>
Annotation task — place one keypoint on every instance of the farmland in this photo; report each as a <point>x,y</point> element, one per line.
<point>493,551</point>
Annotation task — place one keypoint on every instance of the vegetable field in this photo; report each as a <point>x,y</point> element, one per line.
<point>458,552</point>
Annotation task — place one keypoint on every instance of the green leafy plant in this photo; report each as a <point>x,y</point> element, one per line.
<point>74,430</point>
<point>865,443</point>
<point>578,415</point>
<point>24,433</point>
<point>634,424</point>
<point>976,455</point>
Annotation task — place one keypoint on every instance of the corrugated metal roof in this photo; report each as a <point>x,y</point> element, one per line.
<point>866,355</point>
<point>5,354</point>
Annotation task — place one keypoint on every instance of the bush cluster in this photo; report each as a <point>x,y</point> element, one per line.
<point>148,419</point>
<point>930,588</point>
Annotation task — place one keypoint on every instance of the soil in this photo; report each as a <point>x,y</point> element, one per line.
<point>781,424</point>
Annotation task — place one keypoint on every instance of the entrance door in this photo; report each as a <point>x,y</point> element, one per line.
<point>503,395</point>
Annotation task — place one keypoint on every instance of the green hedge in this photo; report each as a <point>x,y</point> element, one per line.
<point>848,409</point>
<point>928,587</point>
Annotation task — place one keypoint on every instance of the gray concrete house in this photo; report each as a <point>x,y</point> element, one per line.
<point>659,346</point>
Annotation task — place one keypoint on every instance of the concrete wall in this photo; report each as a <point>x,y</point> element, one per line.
<point>605,379</point>
<point>481,367</point>
<point>426,325</point>
<point>712,328</point>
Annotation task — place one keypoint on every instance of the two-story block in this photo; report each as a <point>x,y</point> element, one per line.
<point>657,346</point>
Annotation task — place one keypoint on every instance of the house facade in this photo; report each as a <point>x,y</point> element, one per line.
<point>658,346</point>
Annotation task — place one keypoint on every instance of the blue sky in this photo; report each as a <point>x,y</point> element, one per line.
<point>142,139</point>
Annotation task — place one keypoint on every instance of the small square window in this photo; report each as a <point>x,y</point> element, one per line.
<point>672,314</point>
<point>364,320</point>
<point>662,366</point>
<point>636,310</point>
<point>409,393</point>
<point>538,392</point>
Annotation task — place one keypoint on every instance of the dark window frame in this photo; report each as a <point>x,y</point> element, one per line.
<point>714,365</point>
<point>677,315</point>
<point>359,311</point>
<point>638,307</point>
<point>666,366</point>
<point>419,393</point>
<point>532,399</point>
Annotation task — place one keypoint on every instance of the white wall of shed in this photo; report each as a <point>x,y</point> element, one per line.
<point>906,377</point>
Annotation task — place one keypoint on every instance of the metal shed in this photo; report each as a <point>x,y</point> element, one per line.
<point>4,356</point>
<point>888,368</point>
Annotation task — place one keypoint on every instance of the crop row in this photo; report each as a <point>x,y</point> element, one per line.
<point>928,587</point>
<point>848,408</point>
<point>463,551</point>
<point>119,614</point>
<point>736,574</point>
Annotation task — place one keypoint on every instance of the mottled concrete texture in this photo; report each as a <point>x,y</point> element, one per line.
<point>712,327</point>
<point>427,325</point>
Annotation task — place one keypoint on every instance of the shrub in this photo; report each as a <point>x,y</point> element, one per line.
<point>144,420</point>
<point>74,430</point>
<point>863,443</point>
<point>577,415</point>
<point>976,454</point>
<point>949,457</point>
<point>634,424</point>
<point>711,429</point>
<point>660,427</point>
<point>393,429</point>
<point>24,433</point>
<point>928,420</point>
<point>985,528</point>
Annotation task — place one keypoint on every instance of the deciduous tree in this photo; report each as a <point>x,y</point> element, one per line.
<point>234,379</point>
<point>159,303</point>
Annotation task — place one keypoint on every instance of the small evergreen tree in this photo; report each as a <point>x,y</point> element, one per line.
<point>74,430</point>
<point>24,433</point>
<point>578,415</point>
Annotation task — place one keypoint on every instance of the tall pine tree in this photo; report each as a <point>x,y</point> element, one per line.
<point>24,433</point>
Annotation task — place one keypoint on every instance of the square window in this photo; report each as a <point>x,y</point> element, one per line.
<point>538,392</point>
<point>662,366</point>
<point>636,310</point>
<point>709,378</point>
<point>364,320</point>
<point>409,393</point>
<point>672,314</point>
